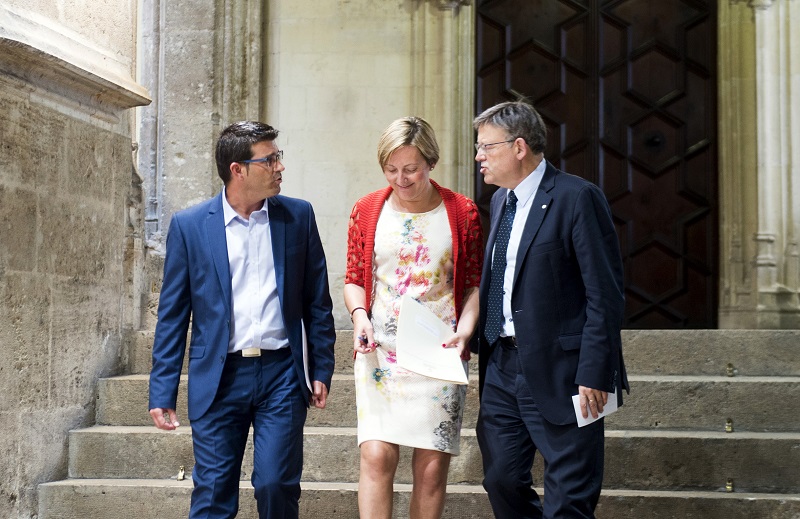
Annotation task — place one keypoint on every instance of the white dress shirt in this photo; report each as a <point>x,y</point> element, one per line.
<point>524,192</point>
<point>256,318</point>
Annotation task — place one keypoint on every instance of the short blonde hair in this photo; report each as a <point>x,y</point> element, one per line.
<point>409,131</point>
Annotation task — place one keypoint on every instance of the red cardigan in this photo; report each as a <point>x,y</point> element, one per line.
<point>465,226</point>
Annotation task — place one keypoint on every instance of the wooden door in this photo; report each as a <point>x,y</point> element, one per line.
<point>627,89</point>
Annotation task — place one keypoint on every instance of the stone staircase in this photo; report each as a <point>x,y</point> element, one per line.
<point>668,454</point>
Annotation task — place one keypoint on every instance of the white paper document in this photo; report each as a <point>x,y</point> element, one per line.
<point>609,408</point>
<point>420,335</point>
<point>305,355</point>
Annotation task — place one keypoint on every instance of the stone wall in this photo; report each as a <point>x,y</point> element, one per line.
<point>759,156</point>
<point>338,73</point>
<point>329,75</point>
<point>70,231</point>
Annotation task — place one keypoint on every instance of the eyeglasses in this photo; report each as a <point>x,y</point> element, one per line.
<point>487,147</point>
<point>269,160</point>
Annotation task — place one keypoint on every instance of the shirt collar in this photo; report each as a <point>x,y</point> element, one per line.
<point>229,213</point>
<point>525,190</point>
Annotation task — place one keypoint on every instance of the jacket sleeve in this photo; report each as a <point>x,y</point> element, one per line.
<point>318,308</point>
<point>474,246</point>
<point>598,255</point>
<point>354,273</point>
<point>174,310</point>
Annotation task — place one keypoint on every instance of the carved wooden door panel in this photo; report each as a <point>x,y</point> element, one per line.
<point>627,89</point>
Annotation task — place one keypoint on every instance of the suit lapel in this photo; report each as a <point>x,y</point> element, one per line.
<point>539,207</point>
<point>218,245</point>
<point>277,228</point>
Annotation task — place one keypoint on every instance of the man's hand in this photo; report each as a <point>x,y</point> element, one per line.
<point>319,394</point>
<point>592,401</point>
<point>165,419</point>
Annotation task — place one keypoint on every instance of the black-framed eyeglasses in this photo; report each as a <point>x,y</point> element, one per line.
<point>269,160</point>
<point>488,146</point>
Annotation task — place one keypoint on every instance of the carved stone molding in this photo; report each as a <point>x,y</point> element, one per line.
<point>755,4</point>
<point>240,64</point>
<point>452,4</point>
<point>760,4</point>
<point>443,46</point>
<point>54,61</point>
<point>206,72</point>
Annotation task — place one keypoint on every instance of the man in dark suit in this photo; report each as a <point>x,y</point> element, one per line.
<point>551,307</point>
<point>247,269</point>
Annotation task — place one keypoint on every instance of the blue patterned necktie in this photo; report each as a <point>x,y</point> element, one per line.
<point>494,308</point>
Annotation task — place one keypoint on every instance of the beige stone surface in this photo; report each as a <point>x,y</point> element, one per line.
<point>705,403</point>
<point>24,340</point>
<point>759,215</point>
<point>643,460</point>
<point>105,23</point>
<point>91,499</point>
<point>330,75</point>
<point>338,73</point>
<point>17,226</point>
<point>65,186</point>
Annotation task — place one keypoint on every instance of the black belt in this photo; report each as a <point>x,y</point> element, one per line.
<point>237,353</point>
<point>509,343</point>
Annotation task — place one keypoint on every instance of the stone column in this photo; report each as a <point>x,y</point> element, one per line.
<point>338,73</point>
<point>203,63</point>
<point>443,50</point>
<point>759,172</point>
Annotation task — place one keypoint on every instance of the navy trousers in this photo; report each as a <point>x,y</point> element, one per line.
<point>511,429</point>
<point>263,392</point>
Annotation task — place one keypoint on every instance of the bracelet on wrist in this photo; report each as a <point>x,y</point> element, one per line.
<point>354,311</point>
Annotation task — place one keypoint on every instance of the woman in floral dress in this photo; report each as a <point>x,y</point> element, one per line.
<point>413,237</point>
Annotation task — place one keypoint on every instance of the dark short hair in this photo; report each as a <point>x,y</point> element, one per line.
<point>235,144</point>
<point>518,119</point>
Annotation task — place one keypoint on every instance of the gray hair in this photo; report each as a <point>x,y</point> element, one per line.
<point>518,119</point>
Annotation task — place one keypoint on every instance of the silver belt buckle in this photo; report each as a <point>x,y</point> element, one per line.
<point>251,352</point>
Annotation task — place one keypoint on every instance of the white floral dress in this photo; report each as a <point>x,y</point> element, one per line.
<point>414,255</point>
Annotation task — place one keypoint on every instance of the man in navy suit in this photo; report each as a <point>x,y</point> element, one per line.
<point>551,308</point>
<point>247,269</point>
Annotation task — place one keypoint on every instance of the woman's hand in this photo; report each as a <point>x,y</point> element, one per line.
<point>459,340</point>
<point>466,325</point>
<point>363,340</point>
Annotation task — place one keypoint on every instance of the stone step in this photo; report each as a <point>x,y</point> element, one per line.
<point>94,498</point>
<point>648,460</point>
<point>655,402</point>
<point>753,353</point>
<point>140,358</point>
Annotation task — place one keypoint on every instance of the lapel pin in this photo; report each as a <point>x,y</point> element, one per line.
<point>544,206</point>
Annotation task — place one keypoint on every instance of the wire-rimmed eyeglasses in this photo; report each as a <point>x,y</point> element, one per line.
<point>269,160</point>
<point>488,146</point>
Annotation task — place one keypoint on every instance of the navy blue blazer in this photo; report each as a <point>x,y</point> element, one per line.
<point>197,288</point>
<point>567,298</point>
